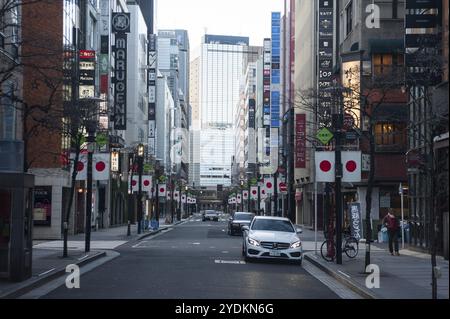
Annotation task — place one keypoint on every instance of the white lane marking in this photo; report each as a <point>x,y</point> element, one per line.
<point>46,272</point>
<point>224,252</point>
<point>195,243</point>
<point>344,274</point>
<point>234,262</point>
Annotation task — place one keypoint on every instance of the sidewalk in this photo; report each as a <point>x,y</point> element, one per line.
<point>407,276</point>
<point>48,263</point>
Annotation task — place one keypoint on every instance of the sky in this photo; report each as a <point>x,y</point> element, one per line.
<point>249,18</point>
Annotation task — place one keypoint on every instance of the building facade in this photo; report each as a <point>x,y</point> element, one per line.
<point>221,68</point>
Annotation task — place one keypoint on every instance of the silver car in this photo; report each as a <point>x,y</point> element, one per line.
<point>272,238</point>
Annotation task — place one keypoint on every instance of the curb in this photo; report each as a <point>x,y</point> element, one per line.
<point>152,233</point>
<point>40,281</point>
<point>350,284</point>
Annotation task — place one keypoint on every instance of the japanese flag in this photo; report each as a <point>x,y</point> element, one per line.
<point>269,185</point>
<point>351,167</point>
<point>254,192</point>
<point>176,196</point>
<point>147,184</point>
<point>245,195</point>
<point>238,198</point>
<point>81,166</point>
<point>194,201</point>
<point>162,190</point>
<point>325,167</point>
<point>134,183</point>
<point>100,167</point>
<point>169,194</point>
<point>263,193</point>
<point>183,198</point>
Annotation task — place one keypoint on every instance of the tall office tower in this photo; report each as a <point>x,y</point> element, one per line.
<point>194,155</point>
<point>173,62</point>
<point>221,68</point>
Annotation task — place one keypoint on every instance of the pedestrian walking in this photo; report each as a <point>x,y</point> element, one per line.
<point>392,224</point>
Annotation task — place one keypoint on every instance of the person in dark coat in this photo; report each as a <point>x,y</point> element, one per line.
<point>392,224</point>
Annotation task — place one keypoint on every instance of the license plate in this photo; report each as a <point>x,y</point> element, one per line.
<point>274,253</point>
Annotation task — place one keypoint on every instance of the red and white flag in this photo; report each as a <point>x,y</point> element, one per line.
<point>162,190</point>
<point>351,167</point>
<point>101,166</point>
<point>325,167</point>
<point>263,193</point>
<point>269,185</point>
<point>134,184</point>
<point>254,192</point>
<point>81,166</point>
<point>147,184</point>
<point>176,196</point>
<point>245,195</point>
<point>183,198</point>
<point>238,198</point>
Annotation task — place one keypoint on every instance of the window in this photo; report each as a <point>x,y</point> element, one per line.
<point>390,134</point>
<point>349,17</point>
<point>385,64</point>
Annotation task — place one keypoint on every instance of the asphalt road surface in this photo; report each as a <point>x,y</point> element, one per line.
<point>194,260</point>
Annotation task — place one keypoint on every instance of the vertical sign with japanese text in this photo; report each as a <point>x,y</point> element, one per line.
<point>300,141</point>
<point>325,47</point>
<point>120,27</point>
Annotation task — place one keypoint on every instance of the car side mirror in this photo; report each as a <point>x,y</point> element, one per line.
<point>299,230</point>
<point>245,228</point>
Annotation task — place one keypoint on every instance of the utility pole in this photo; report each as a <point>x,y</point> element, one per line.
<point>275,193</point>
<point>91,148</point>
<point>338,121</point>
<point>140,168</point>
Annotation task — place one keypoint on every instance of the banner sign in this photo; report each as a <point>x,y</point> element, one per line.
<point>325,68</point>
<point>300,141</point>
<point>120,26</point>
<point>356,220</point>
<point>86,77</point>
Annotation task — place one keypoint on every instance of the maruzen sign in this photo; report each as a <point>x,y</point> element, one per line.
<point>120,27</point>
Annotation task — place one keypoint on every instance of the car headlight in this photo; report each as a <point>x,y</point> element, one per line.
<point>296,244</point>
<point>253,242</point>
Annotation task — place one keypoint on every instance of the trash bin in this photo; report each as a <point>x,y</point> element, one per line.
<point>404,229</point>
<point>383,236</point>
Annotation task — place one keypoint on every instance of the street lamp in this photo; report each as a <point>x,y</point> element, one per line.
<point>140,154</point>
<point>89,110</point>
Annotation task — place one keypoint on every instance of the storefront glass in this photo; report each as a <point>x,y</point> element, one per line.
<point>5,228</point>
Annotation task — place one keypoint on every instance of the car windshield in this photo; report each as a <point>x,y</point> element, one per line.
<point>210,212</point>
<point>273,225</point>
<point>242,216</point>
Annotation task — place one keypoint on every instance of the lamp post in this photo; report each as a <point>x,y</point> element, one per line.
<point>131,162</point>
<point>90,126</point>
<point>140,168</point>
<point>89,110</point>
<point>242,196</point>
<point>186,205</point>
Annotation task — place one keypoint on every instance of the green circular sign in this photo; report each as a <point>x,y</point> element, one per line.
<point>148,167</point>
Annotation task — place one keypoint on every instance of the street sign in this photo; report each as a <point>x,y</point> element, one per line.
<point>148,167</point>
<point>324,136</point>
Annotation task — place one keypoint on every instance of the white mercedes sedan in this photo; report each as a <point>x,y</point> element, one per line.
<point>272,237</point>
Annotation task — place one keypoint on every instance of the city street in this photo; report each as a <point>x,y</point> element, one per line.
<point>196,260</point>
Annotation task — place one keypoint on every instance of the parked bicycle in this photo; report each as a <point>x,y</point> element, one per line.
<point>350,246</point>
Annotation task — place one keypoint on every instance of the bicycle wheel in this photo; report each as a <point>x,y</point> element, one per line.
<point>351,247</point>
<point>328,250</point>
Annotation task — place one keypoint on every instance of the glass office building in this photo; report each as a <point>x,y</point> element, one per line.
<point>221,68</point>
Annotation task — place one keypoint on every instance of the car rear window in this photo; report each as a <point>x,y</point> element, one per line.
<point>243,216</point>
<point>273,225</point>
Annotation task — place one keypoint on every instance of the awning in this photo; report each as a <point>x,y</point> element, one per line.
<point>386,46</point>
